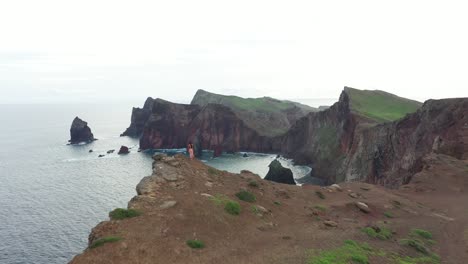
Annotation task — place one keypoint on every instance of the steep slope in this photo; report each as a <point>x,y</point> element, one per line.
<point>139,118</point>
<point>211,127</point>
<point>267,116</point>
<point>186,200</point>
<point>341,145</point>
<point>380,106</point>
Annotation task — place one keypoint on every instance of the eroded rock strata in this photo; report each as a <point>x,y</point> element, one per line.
<point>341,144</point>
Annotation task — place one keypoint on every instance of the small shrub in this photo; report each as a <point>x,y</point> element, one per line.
<point>232,207</point>
<point>255,209</point>
<point>104,240</point>
<point>320,208</point>
<point>320,194</point>
<point>277,203</point>
<point>416,244</point>
<point>121,213</point>
<point>382,233</point>
<point>388,214</point>
<point>246,196</point>
<point>253,184</point>
<point>195,243</point>
<point>422,233</point>
<point>212,171</point>
<point>349,252</point>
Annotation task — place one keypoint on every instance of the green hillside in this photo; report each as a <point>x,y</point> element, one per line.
<point>267,115</point>
<point>379,105</point>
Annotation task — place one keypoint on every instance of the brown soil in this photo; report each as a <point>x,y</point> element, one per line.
<point>435,201</point>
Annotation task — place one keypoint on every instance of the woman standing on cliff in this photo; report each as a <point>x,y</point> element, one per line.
<point>190,150</point>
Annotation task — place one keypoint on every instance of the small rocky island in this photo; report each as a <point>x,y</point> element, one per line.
<point>80,132</point>
<point>280,174</point>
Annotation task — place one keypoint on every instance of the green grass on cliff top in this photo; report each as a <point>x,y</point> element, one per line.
<point>266,115</point>
<point>380,106</point>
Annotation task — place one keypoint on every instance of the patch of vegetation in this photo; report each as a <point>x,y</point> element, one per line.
<point>121,213</point>
<point>253,184</point>
<point>212,171</point>
<point>416,244</point>
<point>246,196</point>
<point>195,243</point>
<point>388,214</point>
<point>382,233</point>
<point>255,209</point>
<point>380,106</point>
<point>320,207</point>
<point>232,207</point>
<point>277,203</point>
<point>349,252</point>
<point>104,240</point>
<point>320,194</point>
<point>422,233</point>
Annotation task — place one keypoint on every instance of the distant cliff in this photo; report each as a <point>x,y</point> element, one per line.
<point>212,127</point>
<point>266,115</point>
<point>343,144</point>
<point>369,136</point>
<point>139,118</point>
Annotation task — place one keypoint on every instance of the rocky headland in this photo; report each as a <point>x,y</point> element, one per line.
<point>80,132</point>
<point>370,136</point>
<point>187,212</point>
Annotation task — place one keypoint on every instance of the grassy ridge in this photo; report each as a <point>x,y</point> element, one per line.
<point>266,115</point>
<point>380,106</point>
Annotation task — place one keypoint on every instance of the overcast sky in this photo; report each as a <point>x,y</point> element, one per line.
<point>91,51</point>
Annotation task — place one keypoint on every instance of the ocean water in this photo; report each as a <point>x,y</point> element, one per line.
<point>52,194</point>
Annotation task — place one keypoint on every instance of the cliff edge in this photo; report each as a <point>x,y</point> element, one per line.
<point>187,212</point>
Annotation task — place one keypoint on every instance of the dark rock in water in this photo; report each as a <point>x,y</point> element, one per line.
<point>245,155</point>
<point>90,151</point>
<point>123,150</point>
<point>278,173</point>
<point>80,132</point>
<point>110,151</point>
<point>101,155</point>
<point>278,156</point>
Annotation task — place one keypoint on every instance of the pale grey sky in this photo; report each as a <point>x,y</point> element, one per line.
<point>91,51</point>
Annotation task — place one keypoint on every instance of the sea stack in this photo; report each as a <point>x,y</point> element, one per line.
<point>123,150</point>
<point>80,132</point>
<point>280,174</point>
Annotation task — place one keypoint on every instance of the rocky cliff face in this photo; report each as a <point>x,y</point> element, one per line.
<point>322,139</point>
<point>267,116</point>
<point>139,118</point>
<point>391,153</point>
<point>212,127</point>
<point>342,145</point>
<point>80,132</point>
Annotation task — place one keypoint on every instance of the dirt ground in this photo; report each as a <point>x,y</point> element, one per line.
<point>286,224</point>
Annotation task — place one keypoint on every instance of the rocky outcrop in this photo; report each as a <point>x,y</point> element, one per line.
<point>342,145</point>
<point>280,174</point>
<point>267,116</point>
<point>390,154</point>
<point>139,118</point>
<point>212,127</point>
<point>123,150</point>
<point>322,139</point>
<point>80,132</point>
